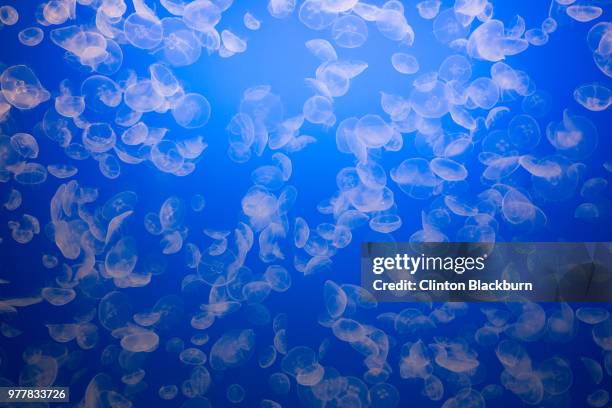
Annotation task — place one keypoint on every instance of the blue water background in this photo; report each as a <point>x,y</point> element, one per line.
<point>277,56</point>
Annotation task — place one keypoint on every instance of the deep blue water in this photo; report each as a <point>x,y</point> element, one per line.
<point>276,56</point>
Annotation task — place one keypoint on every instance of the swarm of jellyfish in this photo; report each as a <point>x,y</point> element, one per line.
<point>140,300</point>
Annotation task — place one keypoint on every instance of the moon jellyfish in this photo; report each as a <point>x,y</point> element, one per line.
<point>448,169</point>
<point>593,369</point>
<point>89,48</point>
<point>42,372</point>
<point>484,93</point>
<point>171,213</point>
<point>507,79</point>
<point>171,242</point>
<point>393,25</point>
<point>263,107</point>
<point>373,131</point>
<point>433,388</point>
<point>133,377</point>
<point>279,383</point>
<point>8,15</point>
<point>404,63</point>
<point>56,12</point>
<point>593,188</point>
<point>556,375</point>
<point>163,80</point>
<point>603,56</point>
<point>462,118</point>
<point>21,88</point>
<point>251,22</point>
<point>191,111</point>
<point>598,35</point>
<point>136,134</point>
<point>131,154</point>
<point>58,296</point>
<point>116,8</point>
<point>517,208</point>
<point>141,96</point>
<point>62,171</point>
<point>366,11</point>
<point>339,6</point>
<point>70,106</point>
<point>501,167</point>
<point>211,41</point>
<point>536,37</point>
<point>319,110</point>
<point>384,395</point>
<point>513,357</point>
<point>594,97</point>
<point>141,341</point>
<point>267,356</point>
<point>114,310</point>
<point>431,101</point>
<point>549,25</point>
<point>371,174</point>
<point>349,31</point>
<point>335,299</point>
<point>415,178</point>
<point>583,13</point>
<point>335,79</point>
<point>201,15</point>
<point>385,223</point>
<point>191,148</point>
<point>99,137</point>
<point>13,201</point>
<point>537,104</point>
<point>232,349</point>
<point>455,68</point>
<point>167,392</point>
<point>180,44</point>
<point>447,28</point>
<point>592,315</point>
<point>281,8</point>
<point>121,259</point>
<point>313,15</point>
<point>575,136</point>
<point>488,42</point>
<point>101,93</point>
<point>284,164</point>
<point>259,205</point>
<point>470,7</point>
<point>143,31</point>
<point>31,36</point>
<point>25,145</point>
<point>429,9</point>
<point>322,49</point>
<point>235,393</point>
<point>301,232</point>
<point>598,398</point>
<point>301,363</point>
<point>516,27</point>
<point>192,356</point>
<point>524,132</point>
<point>232,42</point>
<point>23,231</point>
<point>278,278</point>
<point>31,173</point>
<point>602,334</point>
<point>111,61</point>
